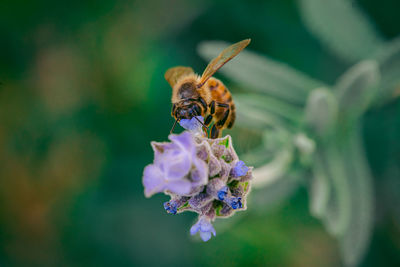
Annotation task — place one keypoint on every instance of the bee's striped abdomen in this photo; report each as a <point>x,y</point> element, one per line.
<point>224,116</point>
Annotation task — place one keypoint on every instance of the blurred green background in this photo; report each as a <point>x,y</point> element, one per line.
<point>82,94</point>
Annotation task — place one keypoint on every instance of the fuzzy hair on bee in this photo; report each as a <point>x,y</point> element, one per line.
<point>206,96</point>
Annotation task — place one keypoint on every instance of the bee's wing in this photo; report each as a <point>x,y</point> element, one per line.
<point>173,75</point>
<point>226,55</point>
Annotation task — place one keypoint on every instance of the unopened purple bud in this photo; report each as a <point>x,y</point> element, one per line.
<point>235,202</point>
<point>171,207</point>
<point>240,169</point>
<point>222,193</point>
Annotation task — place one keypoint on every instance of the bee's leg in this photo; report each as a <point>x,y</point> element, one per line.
<point>208,120</point>
<point>173,110</point>
<point>212,107</point>
<point>203,103</point>
<point>223,105</point>
<point>217,127</point>
<point>222,121</point>
<point>214,132</point>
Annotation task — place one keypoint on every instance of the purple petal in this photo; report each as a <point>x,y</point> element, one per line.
<point>240,169</point>
<point>195,228</point>
<point>161,149</point>
<point>185,141</point>
<point>157,148</point>
<point>153,180</point>
<point>205,236</point>
<point>176,166</point>
<point>206,226</point>
<point>181,187</point>
<point>199,175</point>
<point>192,124</point>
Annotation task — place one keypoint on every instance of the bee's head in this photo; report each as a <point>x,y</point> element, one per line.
<point>186,109</point>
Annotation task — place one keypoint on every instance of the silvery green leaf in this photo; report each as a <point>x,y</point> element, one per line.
<point>250,116</point>
<point>304,144</point>
<point>320,189</point>
<point>337,213</point>
<point>389,64</point>
<point>357,87</point>
<point>270,172</point>
<point>321,111</point>
<point>261,74</point>
<point>276,138</point>
<point>342,27</point>
<point>356,238</point>
<point>272,105</point>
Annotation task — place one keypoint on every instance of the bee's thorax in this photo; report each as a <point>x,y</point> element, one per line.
<point>188,90</point>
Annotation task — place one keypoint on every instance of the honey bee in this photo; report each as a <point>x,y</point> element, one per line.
<point>206,96</point>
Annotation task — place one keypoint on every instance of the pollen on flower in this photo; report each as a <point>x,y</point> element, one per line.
<point>201,175</point>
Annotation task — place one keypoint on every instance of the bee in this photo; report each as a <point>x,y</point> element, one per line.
<point>206,96</point>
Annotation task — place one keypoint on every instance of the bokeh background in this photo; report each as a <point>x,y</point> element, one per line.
<point>82,94</point>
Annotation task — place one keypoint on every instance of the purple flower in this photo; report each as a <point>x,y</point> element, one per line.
<point>240,169</point>
<point>193,124</point>
<point>176,167</point>
<point>171,207</point>
<point>201,175</point>
<point>205,228</point>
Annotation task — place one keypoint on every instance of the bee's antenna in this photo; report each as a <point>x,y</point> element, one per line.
<point>173,127</point>
<point>201,123</point>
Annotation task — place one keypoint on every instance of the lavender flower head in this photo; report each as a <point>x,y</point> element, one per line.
<point>199,174</point>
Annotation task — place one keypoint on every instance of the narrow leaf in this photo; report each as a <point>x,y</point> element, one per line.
<point>357,87</point>
<point>321,111</point>
<point>275,193</point>
<point>250,116</point>
<point>337,213</point>
<point>356,238</point>
<point>275,169</point>
<point>270,105</point>
<point>389,65</point>
<point>320,189</point>
<point>342,27</point>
